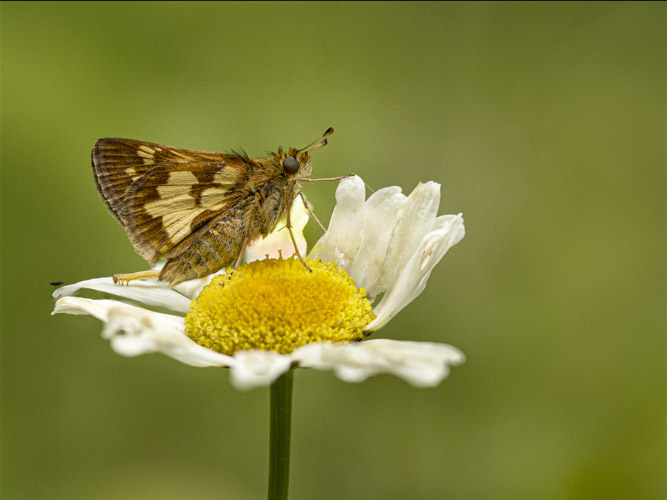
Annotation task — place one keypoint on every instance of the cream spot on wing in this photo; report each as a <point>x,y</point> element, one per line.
<point>183,178</point>
<point>174,195</point>
<point>147,155</point>
<point>227,177</point>
<point>169,192</point>
<point>170,204</point>
<point>177,207</point>
<point>181,157</point>
<point>177,215</point>
<point>177,224</point>
<point>212,198</point>
<point>132,172</point>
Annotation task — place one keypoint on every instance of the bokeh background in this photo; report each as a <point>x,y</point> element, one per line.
<point>545,125</point>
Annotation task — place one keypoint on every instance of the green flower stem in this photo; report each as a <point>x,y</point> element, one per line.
<point>281,425</point>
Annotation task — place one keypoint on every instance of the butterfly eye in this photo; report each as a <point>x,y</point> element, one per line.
<point>290,165</point>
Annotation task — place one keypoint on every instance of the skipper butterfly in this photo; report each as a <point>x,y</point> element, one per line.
<point>198,210</point>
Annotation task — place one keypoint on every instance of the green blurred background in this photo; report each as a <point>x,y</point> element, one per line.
<point>545,124</point>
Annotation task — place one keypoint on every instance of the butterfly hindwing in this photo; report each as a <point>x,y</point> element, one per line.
<point>214,245</point>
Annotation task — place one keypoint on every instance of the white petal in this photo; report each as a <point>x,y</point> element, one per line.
<point>343,237</point>
<point>257,368</point>
<point>146,292</point>
<point>132,331</point>
<point>279,241</point>
<point>192,288</point>
<point>418,217</point>
<point>78,305</point>
<point>444,221</point>
<point>421,364</point>
<point>381,211</point>
<point>412,277</point>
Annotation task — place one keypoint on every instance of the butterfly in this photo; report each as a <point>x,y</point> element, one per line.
<point>197,210</point>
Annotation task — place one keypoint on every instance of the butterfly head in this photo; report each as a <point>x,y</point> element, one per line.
<point>297,161</point>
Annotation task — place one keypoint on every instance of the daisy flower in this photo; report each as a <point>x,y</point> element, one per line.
<point>273,314</point>
<point>268,316</point>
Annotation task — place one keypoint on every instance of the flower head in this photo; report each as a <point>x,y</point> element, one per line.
<point>268,315</point>
<point>278,305</point>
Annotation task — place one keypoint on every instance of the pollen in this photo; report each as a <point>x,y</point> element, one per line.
<point>278,305</point>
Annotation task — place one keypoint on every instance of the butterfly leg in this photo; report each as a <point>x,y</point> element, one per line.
<point>124,279</point>
<point>328,178</point>
<point>305,204</point>
<point>243,247</point>
<point>296,248</point>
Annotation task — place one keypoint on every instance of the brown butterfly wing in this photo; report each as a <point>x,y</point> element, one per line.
<point>161,194</point>
<point>117,163</point>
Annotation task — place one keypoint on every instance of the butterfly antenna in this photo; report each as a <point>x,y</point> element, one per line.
<point>322,141</point>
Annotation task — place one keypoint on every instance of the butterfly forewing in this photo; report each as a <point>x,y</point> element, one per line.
<point>161,194</point>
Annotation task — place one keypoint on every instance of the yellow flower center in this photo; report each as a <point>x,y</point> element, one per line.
<point>278,305</point>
